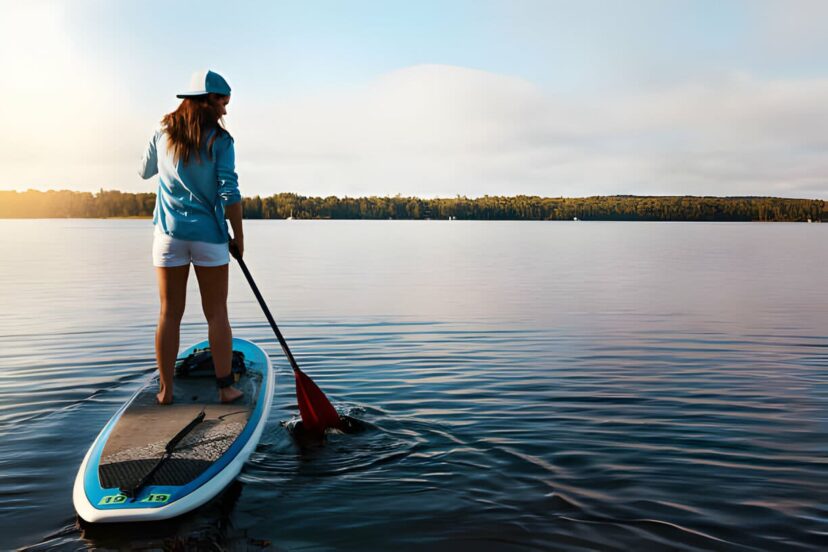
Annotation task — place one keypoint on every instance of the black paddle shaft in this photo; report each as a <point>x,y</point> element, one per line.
<point>266,310</point>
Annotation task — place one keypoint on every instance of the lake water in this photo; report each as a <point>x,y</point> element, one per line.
<point>527,385</point>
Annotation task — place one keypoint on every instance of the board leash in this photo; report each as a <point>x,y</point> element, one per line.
<point>132,491</point>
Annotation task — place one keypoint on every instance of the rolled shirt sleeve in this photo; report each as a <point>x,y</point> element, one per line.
<point>228,180</point>
<point>149,162</point>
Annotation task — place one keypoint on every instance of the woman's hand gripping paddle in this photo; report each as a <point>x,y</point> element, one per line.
<point>318,414</point>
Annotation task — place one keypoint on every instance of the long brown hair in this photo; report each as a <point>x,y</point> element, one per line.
<point>187,126</point>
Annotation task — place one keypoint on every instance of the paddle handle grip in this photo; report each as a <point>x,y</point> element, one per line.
<point>235,252</point>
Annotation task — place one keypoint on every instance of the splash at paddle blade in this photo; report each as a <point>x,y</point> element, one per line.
<point>318,414</point>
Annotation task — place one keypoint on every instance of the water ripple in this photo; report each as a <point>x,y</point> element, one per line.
<point>599,398</point>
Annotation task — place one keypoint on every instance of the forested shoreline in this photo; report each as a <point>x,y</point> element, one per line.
<point>112,203</point>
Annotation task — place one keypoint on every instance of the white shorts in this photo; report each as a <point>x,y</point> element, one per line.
<point>168,251</point>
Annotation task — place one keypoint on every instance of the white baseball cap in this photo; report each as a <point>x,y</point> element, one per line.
<point>206,82</point>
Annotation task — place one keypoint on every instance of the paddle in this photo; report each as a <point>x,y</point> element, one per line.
<point>316,410</point>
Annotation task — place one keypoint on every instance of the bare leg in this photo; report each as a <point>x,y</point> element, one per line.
<point>172,287</point>
<point>212,282</point>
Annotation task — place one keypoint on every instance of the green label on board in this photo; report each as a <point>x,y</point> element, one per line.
<point>157,498</point>
<point>154,498</point>
<point>113,499</point>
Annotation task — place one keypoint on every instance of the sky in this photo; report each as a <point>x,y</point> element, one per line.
<point>429,98</point>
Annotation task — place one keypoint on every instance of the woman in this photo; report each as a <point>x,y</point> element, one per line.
<point>197,189</point>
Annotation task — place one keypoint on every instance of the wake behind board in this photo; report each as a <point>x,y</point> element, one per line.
<point>121,478</point>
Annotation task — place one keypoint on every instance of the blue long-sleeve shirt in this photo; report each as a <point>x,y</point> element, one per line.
<point>192,196</point>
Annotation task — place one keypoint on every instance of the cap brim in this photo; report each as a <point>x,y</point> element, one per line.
<point>191,94</point>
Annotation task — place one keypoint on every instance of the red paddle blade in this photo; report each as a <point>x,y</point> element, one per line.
<point>316,410</point>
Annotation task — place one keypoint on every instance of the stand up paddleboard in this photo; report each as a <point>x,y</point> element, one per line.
<point>153,462</point>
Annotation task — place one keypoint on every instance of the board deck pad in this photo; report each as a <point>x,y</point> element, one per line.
<point>138,439</point>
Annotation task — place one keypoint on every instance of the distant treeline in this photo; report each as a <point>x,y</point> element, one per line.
<point>58,204</point>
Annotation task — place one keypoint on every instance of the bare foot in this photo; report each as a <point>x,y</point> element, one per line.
<point>162,398</point>
<point>229,394</point>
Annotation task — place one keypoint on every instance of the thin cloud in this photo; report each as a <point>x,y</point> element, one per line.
<point>442,130</point>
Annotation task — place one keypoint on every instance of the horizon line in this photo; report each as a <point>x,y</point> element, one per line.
<point>399,195</point>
